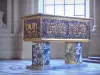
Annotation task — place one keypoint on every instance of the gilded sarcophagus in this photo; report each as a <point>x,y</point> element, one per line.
<point>44,27</point>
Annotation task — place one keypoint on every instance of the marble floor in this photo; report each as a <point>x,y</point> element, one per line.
<point>57,67</point>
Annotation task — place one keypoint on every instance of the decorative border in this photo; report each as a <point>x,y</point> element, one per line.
<point>33,33</point>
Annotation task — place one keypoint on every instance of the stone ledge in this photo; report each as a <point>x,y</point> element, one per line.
<point>10,35</point>
<point>94,57</point>
<point>91,60</point>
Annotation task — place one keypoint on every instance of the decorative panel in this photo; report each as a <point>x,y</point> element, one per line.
<point>79,29</point>
<point>31,28</point>
<point>54,28</point>
<point>40,27</point>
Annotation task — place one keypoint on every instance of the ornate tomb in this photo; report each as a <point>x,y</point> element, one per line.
<point>43,28</point>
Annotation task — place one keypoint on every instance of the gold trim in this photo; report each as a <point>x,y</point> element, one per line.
<point>66,40</point>
<point>31,17</point>
<point>52,15</point>
<point>33,39</point>
<point>66,18</point>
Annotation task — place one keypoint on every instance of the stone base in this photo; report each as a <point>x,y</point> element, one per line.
<point>35,67</point>
<point>70,62</point>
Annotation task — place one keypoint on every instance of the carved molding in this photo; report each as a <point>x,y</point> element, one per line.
<point>2,25</point>
<point>5,27</point>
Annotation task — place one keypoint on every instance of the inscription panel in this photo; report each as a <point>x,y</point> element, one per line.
<point>32,29</point>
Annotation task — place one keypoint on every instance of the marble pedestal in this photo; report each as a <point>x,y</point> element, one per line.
<point>40,55</point>
<point>73,53</point>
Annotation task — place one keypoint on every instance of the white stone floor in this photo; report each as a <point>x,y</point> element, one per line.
<point>57,67</point>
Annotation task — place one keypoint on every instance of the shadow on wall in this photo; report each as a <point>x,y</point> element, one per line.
<point>57,50</point>
<point>86,48</point>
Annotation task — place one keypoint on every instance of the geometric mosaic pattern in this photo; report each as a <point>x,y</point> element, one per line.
<point>73,53</point>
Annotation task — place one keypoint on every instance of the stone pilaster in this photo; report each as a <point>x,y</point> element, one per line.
<point>95,33</point>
